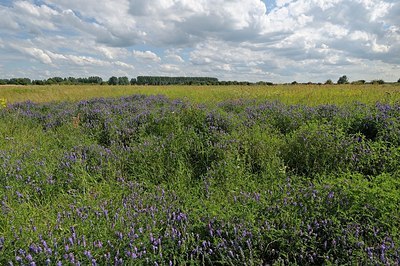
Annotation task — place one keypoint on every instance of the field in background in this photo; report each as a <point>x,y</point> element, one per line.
<point>288,94</point>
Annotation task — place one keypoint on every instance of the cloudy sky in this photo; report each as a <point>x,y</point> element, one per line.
<point>270,40</point>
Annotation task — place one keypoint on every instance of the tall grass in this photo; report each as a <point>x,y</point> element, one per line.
<point>298,94</point>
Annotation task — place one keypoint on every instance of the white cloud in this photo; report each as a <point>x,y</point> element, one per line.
<point>7,21</point>
<point>33,52</point>
<point>147,55</point>
<point>27,8</point>
<point>38,54</point>
<point>175,58</point>
<point>379,48</point>
<point>169,68</point>
<point>112,52</point>
<point>360,36</point>
<point>56,56</point>
<point>85,60</point>
<point>33,17</point>
<point>124,65</point>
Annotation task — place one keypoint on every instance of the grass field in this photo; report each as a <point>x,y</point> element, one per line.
<point>288,94</point>
<point>303,175</point>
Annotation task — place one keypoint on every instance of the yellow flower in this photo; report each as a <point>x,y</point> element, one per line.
<point>3,103</point>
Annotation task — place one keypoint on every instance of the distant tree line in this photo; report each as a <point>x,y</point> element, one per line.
<point>345,80</point>
<point>53,80</point>
<point>162,80</point>
<point>15,81</point>
<point>140,80</point>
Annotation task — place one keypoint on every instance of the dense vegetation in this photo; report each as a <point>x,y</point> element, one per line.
<point>154,80</point>
<point>53,80</point>
<point>149,180</point>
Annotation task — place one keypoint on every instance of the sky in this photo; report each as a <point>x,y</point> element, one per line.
<point>244,40</point>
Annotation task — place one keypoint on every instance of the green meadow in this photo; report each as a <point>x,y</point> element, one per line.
<point>200,175</point>
<point>288,94</point>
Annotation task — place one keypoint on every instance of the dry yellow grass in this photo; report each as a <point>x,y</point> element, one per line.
<point>290,94</point>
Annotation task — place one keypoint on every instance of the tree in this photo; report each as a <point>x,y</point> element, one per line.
<point>123,81</point>
<point>329,82</point>
<point>94,80</point>
<point>58,80</point>
<point>378,81</point>
<point>38,82</point>
<point>343,80</point>
<point>358,82</point>
<point>113,81</point>
<point>72,80</point>
<point>24,81</point>
<point>398,81</point>
<point>133,81</point>
<point>19,81</point>
<point>160,80</point>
